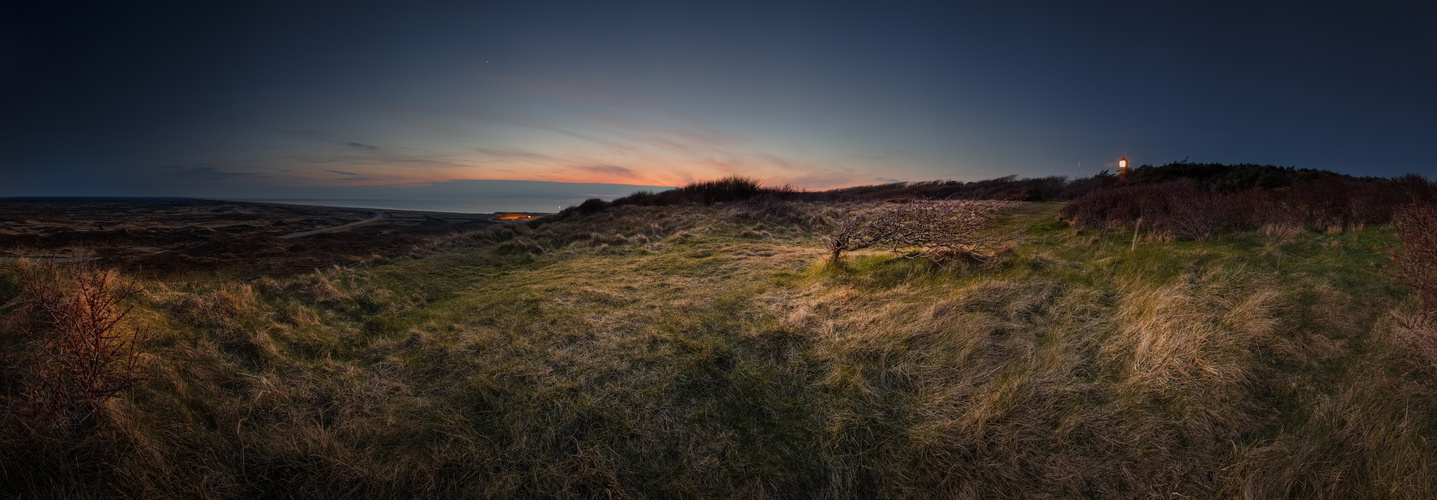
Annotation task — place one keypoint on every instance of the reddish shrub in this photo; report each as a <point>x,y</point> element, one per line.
<point>1193,212</point>
<point>82,352</point>
<point>1416,226</point>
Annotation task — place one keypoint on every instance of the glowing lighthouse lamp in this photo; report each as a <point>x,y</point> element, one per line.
<point>1123,168</point>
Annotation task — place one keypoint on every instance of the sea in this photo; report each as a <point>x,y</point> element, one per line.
<point>464,206</point>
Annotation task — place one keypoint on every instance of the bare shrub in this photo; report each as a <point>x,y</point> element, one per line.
<point>1336,204</point>
<point>82,349</point>
<point>1416,226</point>
<point>1193,212</point>
<point>946,232</point>
<point>1117,207</point>
<point>1418,189</point>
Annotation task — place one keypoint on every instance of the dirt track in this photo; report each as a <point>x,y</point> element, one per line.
<point>378,216</point>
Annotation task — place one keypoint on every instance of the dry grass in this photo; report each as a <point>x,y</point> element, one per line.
<point>708,351</point>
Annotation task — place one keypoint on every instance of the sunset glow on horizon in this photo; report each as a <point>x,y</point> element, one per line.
<point>423,101</point>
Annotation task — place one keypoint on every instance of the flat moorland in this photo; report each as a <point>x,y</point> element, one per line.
<point>182,238</point>
<point>718,351</point>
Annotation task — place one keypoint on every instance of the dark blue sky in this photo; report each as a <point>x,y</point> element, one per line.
<point>258,99</point>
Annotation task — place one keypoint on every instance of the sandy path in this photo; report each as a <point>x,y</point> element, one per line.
<point>378,216</point>
<point>61,260</point>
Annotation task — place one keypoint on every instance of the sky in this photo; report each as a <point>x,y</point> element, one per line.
<point>547,103</point>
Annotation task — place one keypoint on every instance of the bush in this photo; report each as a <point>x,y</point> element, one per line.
<point>589,206</point>
<point>1416,226</point>
<point>1176,207</point>
<point>1193,212</point>
<point>727,189</point>
<point>731,188</point>
<point>82,351</point>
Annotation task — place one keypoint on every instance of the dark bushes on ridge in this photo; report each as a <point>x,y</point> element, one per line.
<point>592,205</point>
<point>731,188</point>
<point>1185,207</point>
<point>736,188</point>
<point>1191,199</point>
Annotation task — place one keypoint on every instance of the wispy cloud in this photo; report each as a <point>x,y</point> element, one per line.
<point>204,173</point>
<point>316,135</point>
<point>672,151</point>
<point>350,176</point>
<point>514,154</point>
<point>610,171</point>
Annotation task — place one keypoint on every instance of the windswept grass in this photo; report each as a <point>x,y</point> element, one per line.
<point>702,351</point>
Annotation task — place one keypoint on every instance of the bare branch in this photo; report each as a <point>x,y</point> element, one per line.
<point>946,232</point>
<point>84,350</point>
<point>1416,226</point>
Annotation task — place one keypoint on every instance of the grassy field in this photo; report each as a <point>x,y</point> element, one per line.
<point>691,351</point>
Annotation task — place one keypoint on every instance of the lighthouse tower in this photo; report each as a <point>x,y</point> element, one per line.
<point>1123,168</point>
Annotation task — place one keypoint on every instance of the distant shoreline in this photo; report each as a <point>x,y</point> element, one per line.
<point>458,207</point>
<point>437,206</point>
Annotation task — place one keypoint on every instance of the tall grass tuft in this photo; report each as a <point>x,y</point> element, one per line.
<point>731,188</point>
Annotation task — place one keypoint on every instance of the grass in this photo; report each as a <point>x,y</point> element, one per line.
<point>708,351</point>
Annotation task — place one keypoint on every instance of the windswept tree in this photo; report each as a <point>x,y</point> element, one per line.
<point>946,232</point>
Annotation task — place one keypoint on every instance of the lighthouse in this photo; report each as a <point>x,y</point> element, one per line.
<point>1123,168</point>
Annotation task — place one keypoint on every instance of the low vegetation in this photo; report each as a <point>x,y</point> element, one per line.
<point>1186,209</point>
<point>702,350</point>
